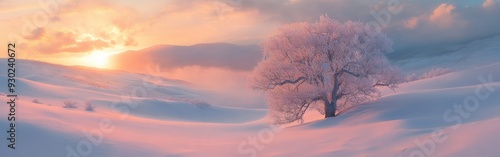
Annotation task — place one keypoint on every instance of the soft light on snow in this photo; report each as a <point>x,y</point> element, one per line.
<point>167,119</point>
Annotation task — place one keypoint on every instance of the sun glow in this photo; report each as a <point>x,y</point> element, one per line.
<point>98,59</point>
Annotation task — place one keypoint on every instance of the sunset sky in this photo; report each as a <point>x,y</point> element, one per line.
<point>78,32</point>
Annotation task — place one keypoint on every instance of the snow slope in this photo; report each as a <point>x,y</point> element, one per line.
<point>146,112</point>
<point>455,115</point>
<point>395,124</point>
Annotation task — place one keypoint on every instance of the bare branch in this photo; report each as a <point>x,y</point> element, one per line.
<point>274,85</point>
<point>291,82</point>
<point>349,72</point>
<point>381,84</point>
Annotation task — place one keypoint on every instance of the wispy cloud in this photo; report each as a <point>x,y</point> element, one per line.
<point>186,22</point>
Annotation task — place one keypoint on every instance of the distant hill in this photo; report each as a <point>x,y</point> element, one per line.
<point>218,55</point>
<point>453,56</point>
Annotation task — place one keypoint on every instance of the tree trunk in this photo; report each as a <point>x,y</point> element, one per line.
<point>330,109</point>
<point>331,106</point>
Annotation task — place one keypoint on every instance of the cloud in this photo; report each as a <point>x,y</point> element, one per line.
<point>130,42</point>
<point>69,42</point>
<point>36,34</point>
<point>418,24</point>
<point>412,23</point>
<point>82,26</point>
<point>443,15</point>
<point>187,22</point>
<point>445,24</point>
<point>488,3</point>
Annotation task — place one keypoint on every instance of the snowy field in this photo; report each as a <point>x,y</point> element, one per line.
<point>456,114</point>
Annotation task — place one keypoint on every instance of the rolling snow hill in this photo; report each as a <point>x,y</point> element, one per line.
<point>455,115</point>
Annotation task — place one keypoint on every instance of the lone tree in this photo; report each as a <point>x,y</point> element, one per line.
<point>326,63</point>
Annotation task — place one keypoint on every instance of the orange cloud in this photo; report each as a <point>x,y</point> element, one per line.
<point>184,23</point>
<point>83,26</point>
<point>126,24</point>
<point>69,42</point>
<point>117,25</point>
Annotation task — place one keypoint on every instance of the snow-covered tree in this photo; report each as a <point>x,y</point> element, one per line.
<point>324,62</point>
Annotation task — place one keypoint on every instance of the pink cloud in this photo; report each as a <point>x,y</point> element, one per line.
<point>488,3</point>
<point>443,15</point>
<point>412,23</point>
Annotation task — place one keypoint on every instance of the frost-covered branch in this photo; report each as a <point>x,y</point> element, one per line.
<point>273,85</point>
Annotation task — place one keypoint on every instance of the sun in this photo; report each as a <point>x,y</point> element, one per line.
<point>98,59</point>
